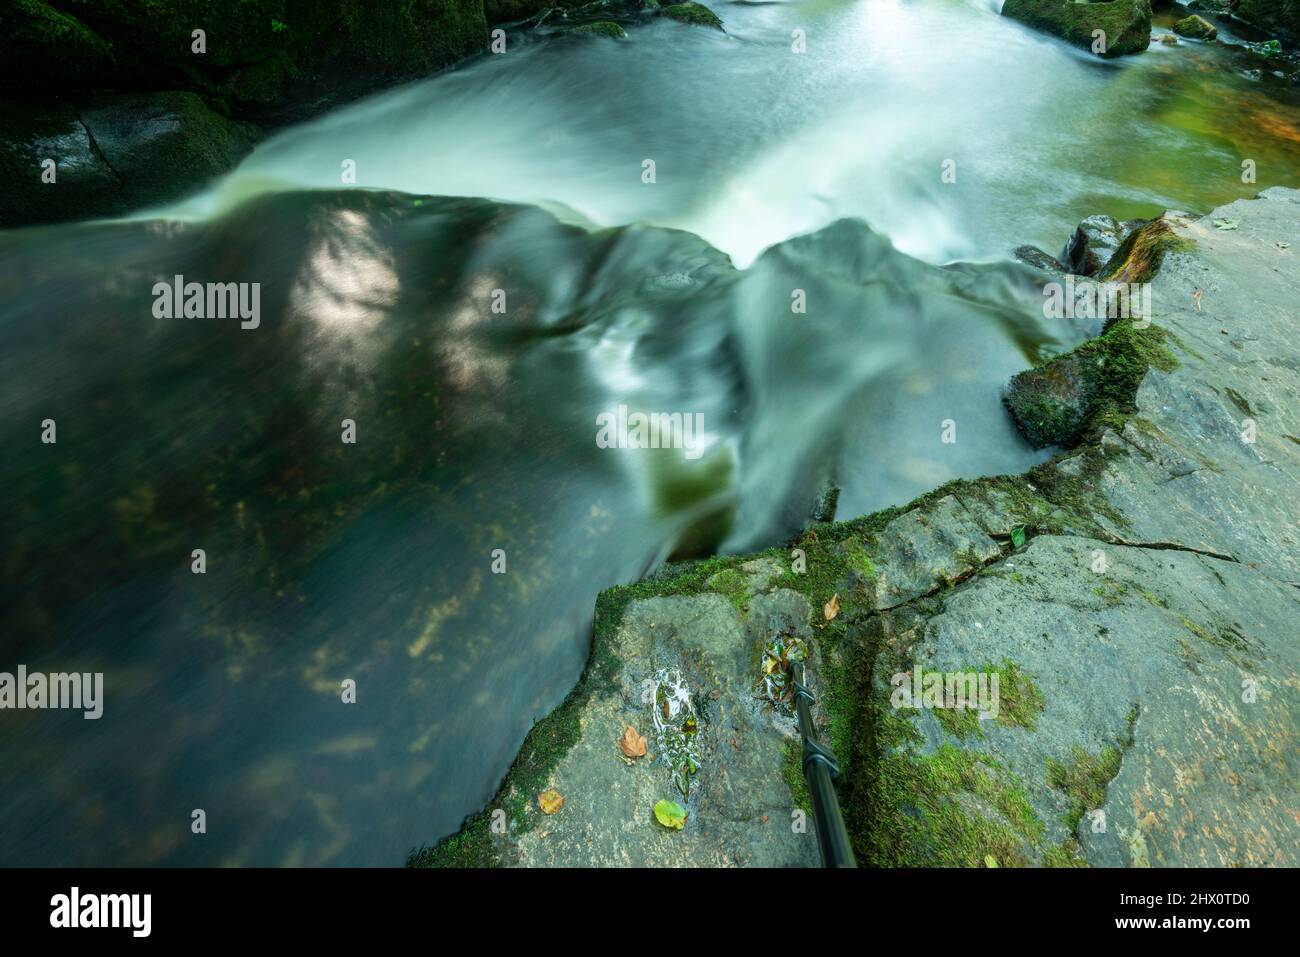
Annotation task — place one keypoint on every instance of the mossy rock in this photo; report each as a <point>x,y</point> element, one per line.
<point>601,28</point>
<point>262,57</point>
<point>1049,403</point>
<point>44,47</point>
<point>1125,23</point>
<point>693,13</point>
<point>1196,28</point>
<point>1279,17</point>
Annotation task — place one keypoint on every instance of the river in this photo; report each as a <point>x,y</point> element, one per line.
<point>474,341</point>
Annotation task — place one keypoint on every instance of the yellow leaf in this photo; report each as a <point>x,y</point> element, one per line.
<point>550,801</point>
<point>832,607</point>
<point>990,860</point>
<point>632,744</point>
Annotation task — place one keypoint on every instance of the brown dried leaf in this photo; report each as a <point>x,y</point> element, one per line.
<point>832,607</point>
<point>632,744</point>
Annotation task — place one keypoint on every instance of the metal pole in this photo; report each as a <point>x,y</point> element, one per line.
<point>821,771</point>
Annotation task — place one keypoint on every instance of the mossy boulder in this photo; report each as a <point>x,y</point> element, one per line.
<point>42,46</point>
<point>1196,28</point>
<point>511,11</point>
<point>1125,25</point>
<point>1049,403</point>
<point>693,13</point>
<point>112,153</point>
<point>1279,17</point>
<point>600,28</point>
<point>265,59</point>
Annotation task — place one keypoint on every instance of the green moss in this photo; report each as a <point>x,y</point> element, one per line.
<point>1198,28</point>
<point>1243,406</point>
<point>960,723</point>
<point>951,808</point>
<point>1083,779</point>
<point>600,28</point>
<point>731,583</point>
<point>1127,23</point>
<point>1066,854</point>
<point>692,13</point>
<point>792,773</point>
<point>1143,251</point>
<point>1094,387</point>
<point>1020,702</point>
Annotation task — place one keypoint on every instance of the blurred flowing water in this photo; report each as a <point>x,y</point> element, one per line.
<point>476,428</point>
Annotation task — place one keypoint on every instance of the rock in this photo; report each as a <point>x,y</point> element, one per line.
<point>161,145</point>
<point>1196,28</point>
<point>1135,599</point>
<point>260,63</point>
<point>919,552</point>
<point>1094,242</point>
<point>1049,403</point>
<point>1277,17</point>
<point>1126,24</point>
<point>739,804</point>
<point>693,13</point>
<point>598,28</point>
<point>1168,39</point>
<point>120,151</point>
<point>1033,256</point>
<point>265,62</point>
<point>41,47</point>
<point>1218,7</point>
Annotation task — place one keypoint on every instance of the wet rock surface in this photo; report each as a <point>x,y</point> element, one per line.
<point>1138,598</point>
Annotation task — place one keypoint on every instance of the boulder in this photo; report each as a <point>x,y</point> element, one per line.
<point>1094,242</point>
<point>1196,28</point>
<point>119,151</point>
<point>1125,24</point>
<point>693,13</point>
<point>264,61</point>
<point>1278,17</point>
<point>598,28</point>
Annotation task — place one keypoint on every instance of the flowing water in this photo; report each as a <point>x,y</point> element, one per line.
<point>476,427</point>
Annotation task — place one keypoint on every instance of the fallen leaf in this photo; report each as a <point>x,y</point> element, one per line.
<point>832,607</point>
<point>1018,536</point>
<point>990,860</point>
<point>632,744</point>
<point>550,801</point>
<point>670,814</point>
<point>1226,224</point>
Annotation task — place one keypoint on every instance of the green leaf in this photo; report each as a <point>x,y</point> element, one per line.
<point>670,814</point>
<point>1018,536</point>
<point>990,860</point>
